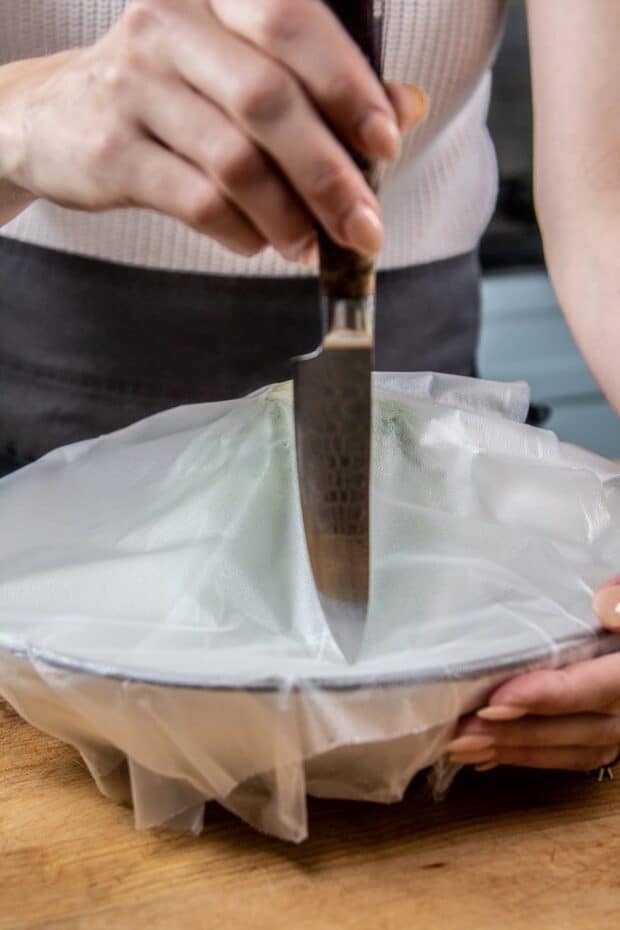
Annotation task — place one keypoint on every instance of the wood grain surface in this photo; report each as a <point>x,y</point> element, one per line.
<point>507,850</point>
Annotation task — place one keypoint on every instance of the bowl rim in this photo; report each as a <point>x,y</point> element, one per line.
<point>568,648</point>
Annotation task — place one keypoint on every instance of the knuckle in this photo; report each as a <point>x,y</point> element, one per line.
<point>329,187</point>
<point>268,98</point>
<point>139,17</point>
<point>340,90</point>
<point>280,20</point>
<point>203,208</point>
<point>239,165</point>
<point>117,77</point>
<point>107,143</point>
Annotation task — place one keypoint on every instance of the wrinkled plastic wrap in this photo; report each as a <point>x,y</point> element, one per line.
<point>157,609</point>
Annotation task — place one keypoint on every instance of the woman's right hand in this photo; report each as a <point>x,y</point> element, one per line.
<point>216,113</point>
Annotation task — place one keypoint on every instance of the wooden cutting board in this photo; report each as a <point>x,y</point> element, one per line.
<point>507,850</point>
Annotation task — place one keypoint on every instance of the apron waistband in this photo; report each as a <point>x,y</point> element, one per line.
<point>87,346</point>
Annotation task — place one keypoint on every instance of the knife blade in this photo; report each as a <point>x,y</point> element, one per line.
<point>333,405</point>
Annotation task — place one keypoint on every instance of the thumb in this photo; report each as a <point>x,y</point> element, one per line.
<point>607,604</point>
<point>410,103</point>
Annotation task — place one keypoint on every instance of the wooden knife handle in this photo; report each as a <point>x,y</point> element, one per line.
<point>345,273</point>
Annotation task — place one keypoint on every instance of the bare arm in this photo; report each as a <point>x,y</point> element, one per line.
<point>576,84</point>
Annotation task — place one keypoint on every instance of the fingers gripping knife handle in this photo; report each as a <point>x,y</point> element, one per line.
<point>345,274</point>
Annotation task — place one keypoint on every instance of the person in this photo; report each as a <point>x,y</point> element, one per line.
<point>163,167</point>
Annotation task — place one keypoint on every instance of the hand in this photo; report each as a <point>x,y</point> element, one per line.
<point>216,113</point>
<point>560,719</point>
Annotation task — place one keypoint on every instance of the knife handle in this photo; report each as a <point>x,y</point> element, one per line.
<point>344,273</point>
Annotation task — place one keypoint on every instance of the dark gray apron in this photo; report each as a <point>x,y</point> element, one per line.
<point>87,347</point>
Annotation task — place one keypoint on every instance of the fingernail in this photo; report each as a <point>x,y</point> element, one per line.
<point>296,250</point>
<point>607,606</point>
<point>421,104</point>
<point>364,229</point>
<point>499,712</point>
<point>470,743</point>
<point>472,758</point>
<point>380,135</point>
<point>486,767</point>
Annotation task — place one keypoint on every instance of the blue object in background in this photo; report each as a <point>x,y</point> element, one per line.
<point>524,337</point>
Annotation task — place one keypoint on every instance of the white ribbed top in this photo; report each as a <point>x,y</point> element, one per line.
<point>437,199</point>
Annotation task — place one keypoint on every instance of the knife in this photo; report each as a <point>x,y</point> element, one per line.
<point>332,404</point>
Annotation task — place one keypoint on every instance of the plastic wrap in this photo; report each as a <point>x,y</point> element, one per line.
<point>157,609</point>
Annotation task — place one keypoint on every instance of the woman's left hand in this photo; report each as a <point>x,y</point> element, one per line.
<point>552,719</point>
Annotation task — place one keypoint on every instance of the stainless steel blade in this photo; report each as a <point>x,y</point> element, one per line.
<point>332,429</point>
<point>333,401</point>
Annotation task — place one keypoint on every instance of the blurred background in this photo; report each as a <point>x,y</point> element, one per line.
<point>523,332</point>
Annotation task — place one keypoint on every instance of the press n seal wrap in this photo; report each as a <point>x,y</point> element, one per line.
<point>157,609</point>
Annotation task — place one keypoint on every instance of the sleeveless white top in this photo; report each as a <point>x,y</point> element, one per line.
<point>437,200</point>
